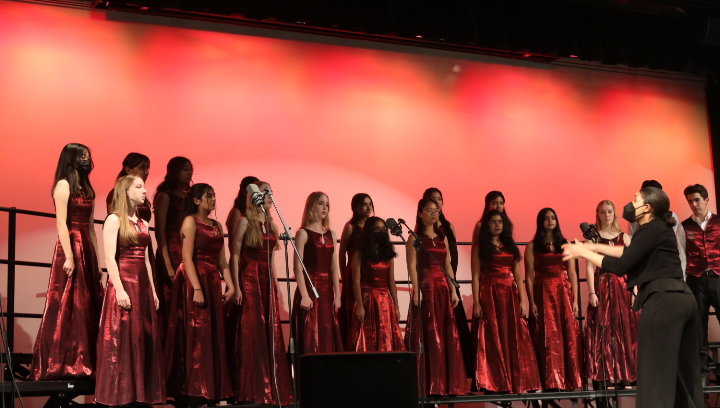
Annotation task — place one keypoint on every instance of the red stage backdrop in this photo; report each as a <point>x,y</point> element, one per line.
<point>343,119</point>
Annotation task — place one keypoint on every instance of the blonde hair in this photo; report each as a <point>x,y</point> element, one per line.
<point>253,234</point>
<point>309,214</point>
<point>127,234</point>
<point>615,227</point>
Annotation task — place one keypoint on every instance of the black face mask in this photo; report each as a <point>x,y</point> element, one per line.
<point>85,166</point>
<point>381,237</point>
<point>629,212</point>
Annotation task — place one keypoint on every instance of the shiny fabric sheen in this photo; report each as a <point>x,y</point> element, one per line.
<point>555,332</point>
<point>255,365</point>
<point>379,331</point>
<point>195,355</point>
<point>65,347</point>
<point>611,319</point>
<point>346,313</point>
<point>317,330</point>
<point>505,356</point>
<point>444,367</point>
<point>163,282</point>
<point>703,247</point>
<point>130,363</point>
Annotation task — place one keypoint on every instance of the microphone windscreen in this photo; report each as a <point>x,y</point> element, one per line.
<point>584,226</point>
<point>391,223</point>
<point>252,189</point>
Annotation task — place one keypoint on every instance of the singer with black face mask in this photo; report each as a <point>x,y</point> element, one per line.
<point>610,318</point>
<point>65,345</point>
<point>668,347</point>
<point>375,325</point>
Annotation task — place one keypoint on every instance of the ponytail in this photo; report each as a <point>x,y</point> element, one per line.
<point>669,219</point>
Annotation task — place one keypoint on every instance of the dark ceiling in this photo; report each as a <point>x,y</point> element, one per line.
<point>673,35</point>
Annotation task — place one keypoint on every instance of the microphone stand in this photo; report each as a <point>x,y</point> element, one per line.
<point>421,359</point>
<point>419,244</point>
<point>285,236</point>
<point>271,303</point>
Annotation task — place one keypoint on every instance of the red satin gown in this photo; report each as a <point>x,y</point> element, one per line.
<point>380,330</point>
<point>317,329</point>
<point>163,282</point>
<point>65,346</point>
<point>232,312</point>
<point>555,332</point>
<point>258,333</point>
<point>195,355</point>
<point>346,314</point>
<point>505,356</point>
<point>130,363</point>
<point>611,318</point>
<point>144,211</point>
<point>444,367</point>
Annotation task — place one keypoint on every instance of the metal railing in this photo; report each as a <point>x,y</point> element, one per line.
<point>12,262</point>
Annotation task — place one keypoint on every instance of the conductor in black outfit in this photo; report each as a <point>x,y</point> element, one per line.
<point>668,347</point>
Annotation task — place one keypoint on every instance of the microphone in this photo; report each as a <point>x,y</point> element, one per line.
<point>394,227</point>
<point>589,231</point>
<point>257,198</point>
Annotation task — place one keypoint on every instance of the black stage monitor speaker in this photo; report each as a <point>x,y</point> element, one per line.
<point>350,380</point>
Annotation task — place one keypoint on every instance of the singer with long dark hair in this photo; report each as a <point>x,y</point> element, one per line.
<point>668,340</point>
<point>610,318</point>
<point>375,326</point>
<point>258,353</point>
<point>135,164</point>
<point>504,351</point>
<point>314,318</point>
<point>461,320</point>
<point>362,207</point>
<point>240,205</point>
<point>444,369</point>
<point>553,296</point>
<point>195,354</point>
<point>168,207</point>
<point>66,343</point>
<point>130,361</point>
<point>232,309</point>
<point>494,200</point>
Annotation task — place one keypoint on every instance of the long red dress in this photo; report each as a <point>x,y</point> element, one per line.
<point>505,356</point>
<point>232,312</point>
<point>258,333</point>
<point>380,330</point>
<point>613,318</point>
<point>66,343</point>
<point>317,329</point>
<point>461,320</point>
<point>346,313</point>
<point>555,332</point>
<point>130,363</point>
<point>444,367</point>
<point>163,282</point>
<point>144,211</point>
<point>195,355</point>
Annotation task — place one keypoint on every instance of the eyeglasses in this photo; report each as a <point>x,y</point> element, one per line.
<point>380,229</point>
<point>431,212</point>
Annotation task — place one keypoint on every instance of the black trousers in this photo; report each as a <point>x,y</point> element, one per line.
<point>706,289</point>
<point>668,355</point>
